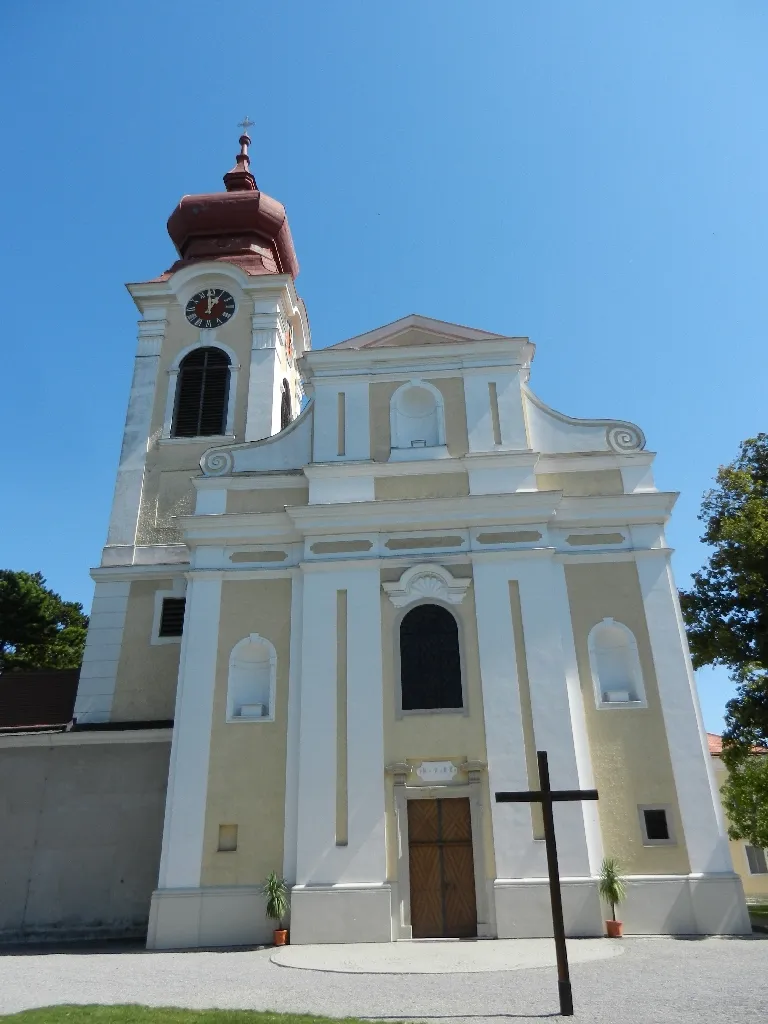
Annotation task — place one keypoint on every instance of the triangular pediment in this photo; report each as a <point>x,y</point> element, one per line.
<point>415,331</point>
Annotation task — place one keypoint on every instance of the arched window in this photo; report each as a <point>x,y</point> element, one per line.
<point>201,394</point>
<point>616,672</point>
<point>285,404</point>
<point>251,683</point>
<point>430,664</point>
<point>416,418</point>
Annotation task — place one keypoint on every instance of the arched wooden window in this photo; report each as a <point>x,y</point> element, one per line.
<point>202,393</point>
<point>430,664</point>
<point>285,404</point>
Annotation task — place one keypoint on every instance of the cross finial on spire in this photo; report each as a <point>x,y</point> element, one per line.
<point>240,179</point>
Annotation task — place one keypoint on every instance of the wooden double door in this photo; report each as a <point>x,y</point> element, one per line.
<point>442,869</point>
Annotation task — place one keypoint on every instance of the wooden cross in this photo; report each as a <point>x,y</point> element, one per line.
<point>547,797</point>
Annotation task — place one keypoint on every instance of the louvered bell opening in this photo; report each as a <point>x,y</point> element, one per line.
<point>172,618</point>
<point>203,390</point>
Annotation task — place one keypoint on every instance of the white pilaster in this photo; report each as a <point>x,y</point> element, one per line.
<point>516,854</point>
<point>294,730</point>
<point>357,441</point>
<point>697,795</point>
<point>130,473</point>
<point>96,688</point>
<point>363,860</point>
<point>509,401</point>
<point>182,851</point>
<point>542,595</point>
<point>562,610</point>
<point>262,380</point>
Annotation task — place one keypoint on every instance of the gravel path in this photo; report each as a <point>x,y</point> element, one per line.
<point>654,981</point>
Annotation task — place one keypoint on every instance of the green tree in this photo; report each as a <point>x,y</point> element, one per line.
<point>726,615</point>
<point>38,629</point>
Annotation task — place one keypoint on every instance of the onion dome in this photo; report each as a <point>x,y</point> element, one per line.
<point>242,225</point>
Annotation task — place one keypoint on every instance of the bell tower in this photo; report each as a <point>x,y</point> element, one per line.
<point>220,338</point>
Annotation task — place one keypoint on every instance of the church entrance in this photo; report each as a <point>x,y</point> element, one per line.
<point>441,869</point>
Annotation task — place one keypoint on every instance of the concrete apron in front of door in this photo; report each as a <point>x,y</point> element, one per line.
<point>440,956</point>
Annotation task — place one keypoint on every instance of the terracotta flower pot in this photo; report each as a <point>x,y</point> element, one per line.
<point>615,929</point>
<point>281,936</point>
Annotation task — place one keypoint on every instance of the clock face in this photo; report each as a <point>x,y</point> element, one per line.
<point>211,307</point>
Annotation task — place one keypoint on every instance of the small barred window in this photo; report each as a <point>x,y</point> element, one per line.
<point>172,617</point>
<point>202,393</point>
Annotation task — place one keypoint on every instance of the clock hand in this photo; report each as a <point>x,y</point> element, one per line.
<point>211,300</point>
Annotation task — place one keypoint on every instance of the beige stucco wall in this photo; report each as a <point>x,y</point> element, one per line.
<point>145,688</point>
<point>452,390</point>
<point>246,778</point>
<point>440,736</point>
<point>436,485</point>
<point>578,484</point>
<point>755,886</point>
<point>270,499</point>
<point>629,748</point>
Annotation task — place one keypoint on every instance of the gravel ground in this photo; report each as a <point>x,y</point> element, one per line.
<point>656,980</point>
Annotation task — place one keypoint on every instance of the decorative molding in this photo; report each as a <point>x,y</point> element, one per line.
<point>217,463</point>
<point>426,581</point>
<point>437,771</point>
<point>401,770</point>
<point>474,770</point>
<point>625,437</point>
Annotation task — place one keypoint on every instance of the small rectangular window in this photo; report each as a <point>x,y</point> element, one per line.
<point>227,838</point>
<point>172,617</point>
<point>756,858</point>
<point>655,825</point>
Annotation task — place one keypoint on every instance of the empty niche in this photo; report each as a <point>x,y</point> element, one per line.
<point>416,417</point>
<point>251,684</point>
<point>615,663</point>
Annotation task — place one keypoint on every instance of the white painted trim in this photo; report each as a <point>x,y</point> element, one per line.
<point>426,583</point>
<point>84,739</point>
<point>182,850</point>
<point>257,640</point>
<point>637,683</point>
<point>178,590</point>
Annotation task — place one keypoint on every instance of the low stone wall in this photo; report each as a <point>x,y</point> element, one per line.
<point>81,821</point>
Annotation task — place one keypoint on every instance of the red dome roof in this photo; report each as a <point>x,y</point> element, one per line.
<point>242,226</point>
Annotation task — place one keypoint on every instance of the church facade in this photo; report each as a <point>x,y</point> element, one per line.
<point>367,583</point>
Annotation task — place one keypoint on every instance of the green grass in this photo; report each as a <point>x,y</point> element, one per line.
<point>134,1014</point>
<point>758,909</point>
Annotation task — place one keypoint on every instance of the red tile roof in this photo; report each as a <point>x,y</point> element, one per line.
<point>716,745</point>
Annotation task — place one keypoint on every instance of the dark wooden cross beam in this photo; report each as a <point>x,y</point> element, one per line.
<point>546,796</point>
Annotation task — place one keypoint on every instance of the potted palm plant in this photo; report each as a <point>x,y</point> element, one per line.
<point>613,890</point>
<point>275,892</point>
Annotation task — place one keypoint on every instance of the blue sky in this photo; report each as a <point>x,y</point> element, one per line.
<point>592,174</point>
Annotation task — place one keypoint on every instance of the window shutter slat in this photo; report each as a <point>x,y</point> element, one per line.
<point>172,616</point>
<point>202,394</point>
